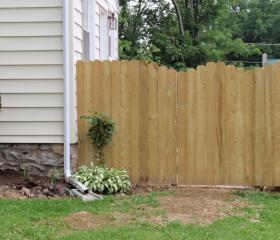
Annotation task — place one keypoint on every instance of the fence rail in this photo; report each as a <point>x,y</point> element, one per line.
<point>216,125</point>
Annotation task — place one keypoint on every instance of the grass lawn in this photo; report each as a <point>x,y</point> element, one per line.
<point>65,219</point>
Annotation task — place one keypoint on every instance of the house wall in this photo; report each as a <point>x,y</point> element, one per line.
<point>31,65</point>
<point>31,71</point>
<point>76,54</point>
<point>34,159</point>
<point>78,30</point>
<point>31,81</point>
<point>96,32</point>
<point>99,45</point>
<point>103,9</point>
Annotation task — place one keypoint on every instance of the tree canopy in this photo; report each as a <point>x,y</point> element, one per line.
<point>186,33</point>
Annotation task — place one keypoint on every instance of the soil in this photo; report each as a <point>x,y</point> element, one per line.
<point>139,188</point>
<point>13,185</point>
<point>187,206</point>
<point>86,220</point>
<point>9,177</point>
<point>199,206</point>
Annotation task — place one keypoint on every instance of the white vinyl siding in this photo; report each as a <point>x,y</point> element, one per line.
<point>44,100</point>
<point>29,3</point>
<point>31,86</point>
<point>31,114</point>
<point>31,128</point>
<point>77,43</point>
<point>97,16</point>
<point>15,15</point>
<point>22,29</point>
<point>77,54</point>
<point>31,71</point>
<point>31,139</point>
<point>31,66</point>
<point>105,40</point>
<point>104,3</point>
<point>78,30</point>
<point>31,58</point>
<point>9,44</point>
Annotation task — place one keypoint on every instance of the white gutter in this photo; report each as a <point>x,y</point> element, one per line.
<point>66,98</point>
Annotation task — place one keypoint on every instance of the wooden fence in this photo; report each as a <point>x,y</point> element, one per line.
<point>216,125</point>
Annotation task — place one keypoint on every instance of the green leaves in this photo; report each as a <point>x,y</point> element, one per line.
<point>103,180</point>
<point>100,132</point>
<point>100,178</point>
<point>214,31</point>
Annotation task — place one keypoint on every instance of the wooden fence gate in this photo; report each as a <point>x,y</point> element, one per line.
<point>216,125</point>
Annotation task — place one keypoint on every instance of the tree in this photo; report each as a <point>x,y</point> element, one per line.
<point>186,33</point>
<point>257,22</point>
<point>179,17</point>
<point>133,29</point>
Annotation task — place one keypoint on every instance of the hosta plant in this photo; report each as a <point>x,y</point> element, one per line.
<point>101,179</point>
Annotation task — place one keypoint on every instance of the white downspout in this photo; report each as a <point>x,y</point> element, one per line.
<point>66,98</point>
<point>66,88</point>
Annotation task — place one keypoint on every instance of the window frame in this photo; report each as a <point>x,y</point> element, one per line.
<point>86,5</point>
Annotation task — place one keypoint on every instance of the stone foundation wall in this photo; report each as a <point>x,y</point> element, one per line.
<point>44,160</point>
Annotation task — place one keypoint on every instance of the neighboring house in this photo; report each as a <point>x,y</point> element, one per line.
<point>268,61</point>
<point>272,61</point>
<point>40,43</point>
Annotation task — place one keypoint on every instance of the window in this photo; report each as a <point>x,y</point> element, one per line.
<point>86,29</point>
<point>86,14</point>
<point>86,43</point>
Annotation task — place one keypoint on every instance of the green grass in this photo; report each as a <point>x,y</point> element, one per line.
<point>44,219</point>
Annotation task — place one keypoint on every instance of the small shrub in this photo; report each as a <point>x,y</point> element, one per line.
<point>100,132</point>
<point>103,180</point>
<point>54,176</point>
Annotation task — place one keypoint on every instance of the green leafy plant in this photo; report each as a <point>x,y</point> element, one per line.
<point>103,180</point>
<point>100,132</point>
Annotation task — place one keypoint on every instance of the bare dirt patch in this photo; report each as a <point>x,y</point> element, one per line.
<point>141,188</point>
<point>86,220</point>
<point>187,206</point>
<point>13,185</point>
<point>9,177</point>
<point>198,205</point>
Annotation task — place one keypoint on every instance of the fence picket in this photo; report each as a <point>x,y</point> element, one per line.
<point>162,144</point>
<point>182,134</point>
